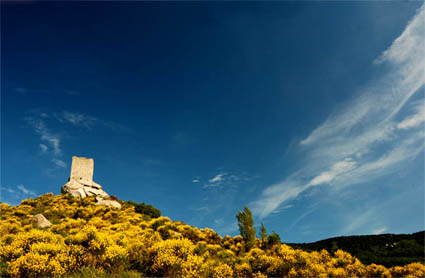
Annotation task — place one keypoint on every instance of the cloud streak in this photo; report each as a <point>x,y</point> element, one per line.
<point>414,120</point>
<point>39,126</point>
<point>13,195</point>
<point>379,231</point>
<point>223,179</point>
<point>77,119</point>
<point>51,142</point>
<point>26,191</point>
<point>365,139</point>
<point>217,178</point>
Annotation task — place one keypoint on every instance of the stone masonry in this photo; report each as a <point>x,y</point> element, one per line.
<point>80,183</point>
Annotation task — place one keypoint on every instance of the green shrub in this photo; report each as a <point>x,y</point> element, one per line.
<point>145,209</point>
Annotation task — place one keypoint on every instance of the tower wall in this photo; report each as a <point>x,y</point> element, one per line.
<point>82,169</point>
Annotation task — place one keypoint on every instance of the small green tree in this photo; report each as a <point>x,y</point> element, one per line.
<point>273,239</point>
<point>263,234</point>
<point>246,227</point>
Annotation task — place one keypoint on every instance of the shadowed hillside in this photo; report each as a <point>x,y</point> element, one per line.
<point>386,249</point>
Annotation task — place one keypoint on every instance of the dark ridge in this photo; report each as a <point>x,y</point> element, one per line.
<point>386,249</point>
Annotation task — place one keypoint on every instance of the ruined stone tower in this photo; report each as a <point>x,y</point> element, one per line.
<point>80,183</point>
<point>82,170</point>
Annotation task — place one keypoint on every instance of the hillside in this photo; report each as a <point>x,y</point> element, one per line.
<point>89,240</point>
<point>386,249</point>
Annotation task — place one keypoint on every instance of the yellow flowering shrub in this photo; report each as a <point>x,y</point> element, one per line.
<point>338,273</point>
<point>35,265</point>
<point>222,271</point>
<point>259,275</point>
<point>375,270</point>
<point>243,270</point>
<point>114,258</point>
<point>192,266</point>
<point>106,241</point>
<point>410,270</point>
<point>68,226</point>
<point>169,256</point>
<point>37,253</point>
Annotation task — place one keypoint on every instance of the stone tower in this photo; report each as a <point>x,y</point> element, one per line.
<point>80,183</point>
<point>82,170</point>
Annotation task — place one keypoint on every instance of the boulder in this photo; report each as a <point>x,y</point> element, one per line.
<point>90,191</point>
<point>40,221</point>
<point>74,190</point>
<point>96,185</point>
<point>110,203</point>
<point>73,185</point>
<point>79,193</point>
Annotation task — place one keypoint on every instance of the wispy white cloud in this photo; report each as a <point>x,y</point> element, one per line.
<point>414,120</point>
<point>26,191</point>
<point>363,139</point>
<point>77,119</point>
<point>379,230</point>
<point>13,195</point>
<point>39,126</point>
<point>82,120</point>
<point>43,148</point>
<point>224,179</point>
<point>358,221</point>
<point>281,208</point>
<point>45,125</point>
<point>216,181</point>
<point>217,178</point>
<point>202,209</point>
<point>195,180</point>
<point>302,216</point>
<point>372,215</point>
<point>7,189</point>
<point>51,145</point>
<point>275,195</point>
<point>58,162</point>
<point>337,169</point>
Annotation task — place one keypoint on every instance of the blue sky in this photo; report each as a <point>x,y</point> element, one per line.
<point>309,113</point>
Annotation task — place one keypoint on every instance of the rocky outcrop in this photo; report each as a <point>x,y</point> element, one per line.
<point>78,189</point>
<point>110,203</point>
<point>80,182</point>
<point>40,221</point>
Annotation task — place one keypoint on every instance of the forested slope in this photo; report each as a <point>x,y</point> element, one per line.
<point>386,249</point>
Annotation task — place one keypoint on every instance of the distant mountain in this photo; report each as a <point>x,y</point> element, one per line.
<point>386,249</point>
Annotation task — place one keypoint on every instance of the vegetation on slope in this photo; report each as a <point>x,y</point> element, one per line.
<point>87,240</point>
<point>387,249</point>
